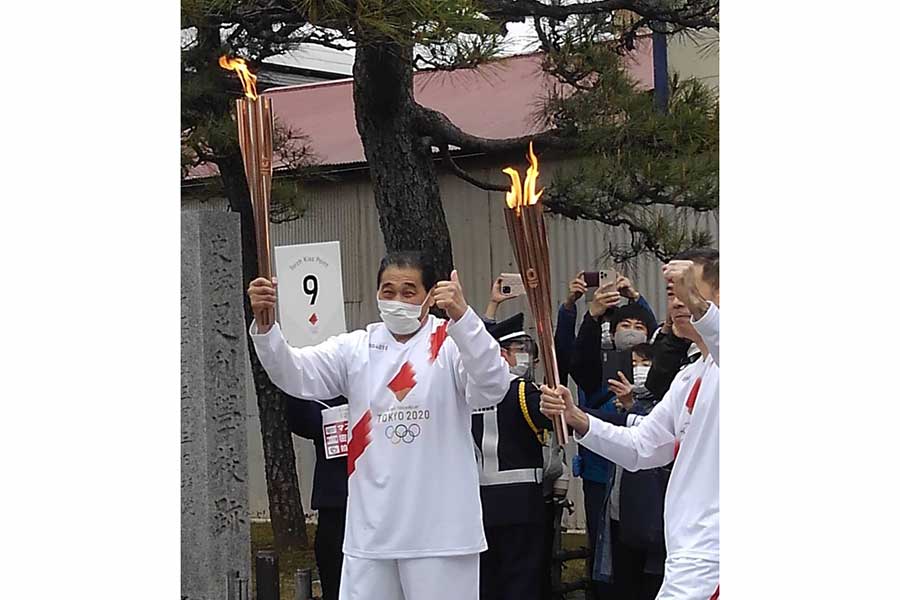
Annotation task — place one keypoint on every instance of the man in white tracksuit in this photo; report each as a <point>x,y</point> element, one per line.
<point>684,426</point>
<point>414,526</point>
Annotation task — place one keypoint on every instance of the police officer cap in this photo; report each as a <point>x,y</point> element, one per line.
<point>508,329</point>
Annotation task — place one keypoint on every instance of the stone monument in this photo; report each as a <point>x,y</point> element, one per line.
<point>215,512</point>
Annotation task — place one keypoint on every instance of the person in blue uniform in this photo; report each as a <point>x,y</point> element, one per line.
<point>329,495</point>
<point>509,438</point>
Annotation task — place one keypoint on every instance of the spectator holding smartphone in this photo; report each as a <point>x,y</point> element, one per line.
<point>581,359</point>
<point>632,549</point>
<point>498,297</point>
<point>635,395</point>
<point>629,325</point>
<point>593,470</point>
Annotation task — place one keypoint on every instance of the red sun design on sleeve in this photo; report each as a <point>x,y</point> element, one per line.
<point>437,340</point>
<point>403,382</point>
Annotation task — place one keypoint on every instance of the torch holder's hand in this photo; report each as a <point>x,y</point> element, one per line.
<point>559,402</point>
<point>263,296</point>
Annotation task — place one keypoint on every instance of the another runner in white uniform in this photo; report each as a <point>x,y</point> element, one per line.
<point>684,426</point>
<point>414,526</point>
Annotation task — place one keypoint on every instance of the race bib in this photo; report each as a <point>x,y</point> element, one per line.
<point>336,430</point>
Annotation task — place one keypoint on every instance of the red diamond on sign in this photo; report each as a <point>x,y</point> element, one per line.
<point>313,319</point>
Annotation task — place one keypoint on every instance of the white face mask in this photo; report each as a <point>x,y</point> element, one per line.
<point>400,318</point>
<point>523,363</point>
<point>640,375</point>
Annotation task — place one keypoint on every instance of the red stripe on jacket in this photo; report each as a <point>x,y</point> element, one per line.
<point>360,437</point>
<point>692,397</point>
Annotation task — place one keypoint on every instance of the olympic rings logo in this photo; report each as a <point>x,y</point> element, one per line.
<point>402,433</point>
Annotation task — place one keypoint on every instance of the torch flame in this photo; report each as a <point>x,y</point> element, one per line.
<point>531,197</point>
<point>239,66</point>
<point>522,195</point>
<point>514,195</point>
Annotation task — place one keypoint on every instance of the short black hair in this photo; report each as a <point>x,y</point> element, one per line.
<point>708,259</point>
<point>631,311</point>
<point>410,259</point>
<point>644,350</point>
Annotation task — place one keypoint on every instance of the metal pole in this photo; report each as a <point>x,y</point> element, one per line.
<point>660,71</point>
<point>555,562</point>
<point>244,589</point>
<point>232,585</point>
<point>267,587</point>
<point>303,580</point>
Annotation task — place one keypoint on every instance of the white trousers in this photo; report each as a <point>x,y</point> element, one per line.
<point>690,579</point>
<point>433,578</point>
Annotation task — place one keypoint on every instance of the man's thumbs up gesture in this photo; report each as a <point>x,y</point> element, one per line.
<point>448,296</point>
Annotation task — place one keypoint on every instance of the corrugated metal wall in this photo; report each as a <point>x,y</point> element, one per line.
<point>345,211</point>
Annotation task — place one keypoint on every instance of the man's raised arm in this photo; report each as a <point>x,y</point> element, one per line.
<point>318,372</point>
<point>480,371</point>
<point>708,328</point>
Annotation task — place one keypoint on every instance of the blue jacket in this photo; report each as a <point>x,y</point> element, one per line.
<point>594,467</point>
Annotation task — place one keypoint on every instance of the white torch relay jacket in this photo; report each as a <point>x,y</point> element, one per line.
<point>684,426</point>
<point>413,478</point>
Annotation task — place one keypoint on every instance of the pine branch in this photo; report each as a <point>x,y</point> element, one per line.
<point>694,14</point>
<point>466,176</point>
<point>442,130</point>
<point>663,234</point>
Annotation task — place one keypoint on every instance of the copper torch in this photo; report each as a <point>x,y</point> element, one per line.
<point>255,122</point>
<point>525,224</point>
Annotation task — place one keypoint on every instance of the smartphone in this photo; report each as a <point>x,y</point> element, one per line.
<point>614,361</point>
<point>592,279</point>
<point>607,279</point>
<point>511,284</point>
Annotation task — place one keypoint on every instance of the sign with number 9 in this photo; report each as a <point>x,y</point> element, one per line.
<point>311,302</point>
<point>311,288</point>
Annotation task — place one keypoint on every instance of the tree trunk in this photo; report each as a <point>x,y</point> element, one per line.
<point>285,506</point>
<point>403,173</point>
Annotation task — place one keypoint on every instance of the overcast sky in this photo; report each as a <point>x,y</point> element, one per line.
<point>520,39</point>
